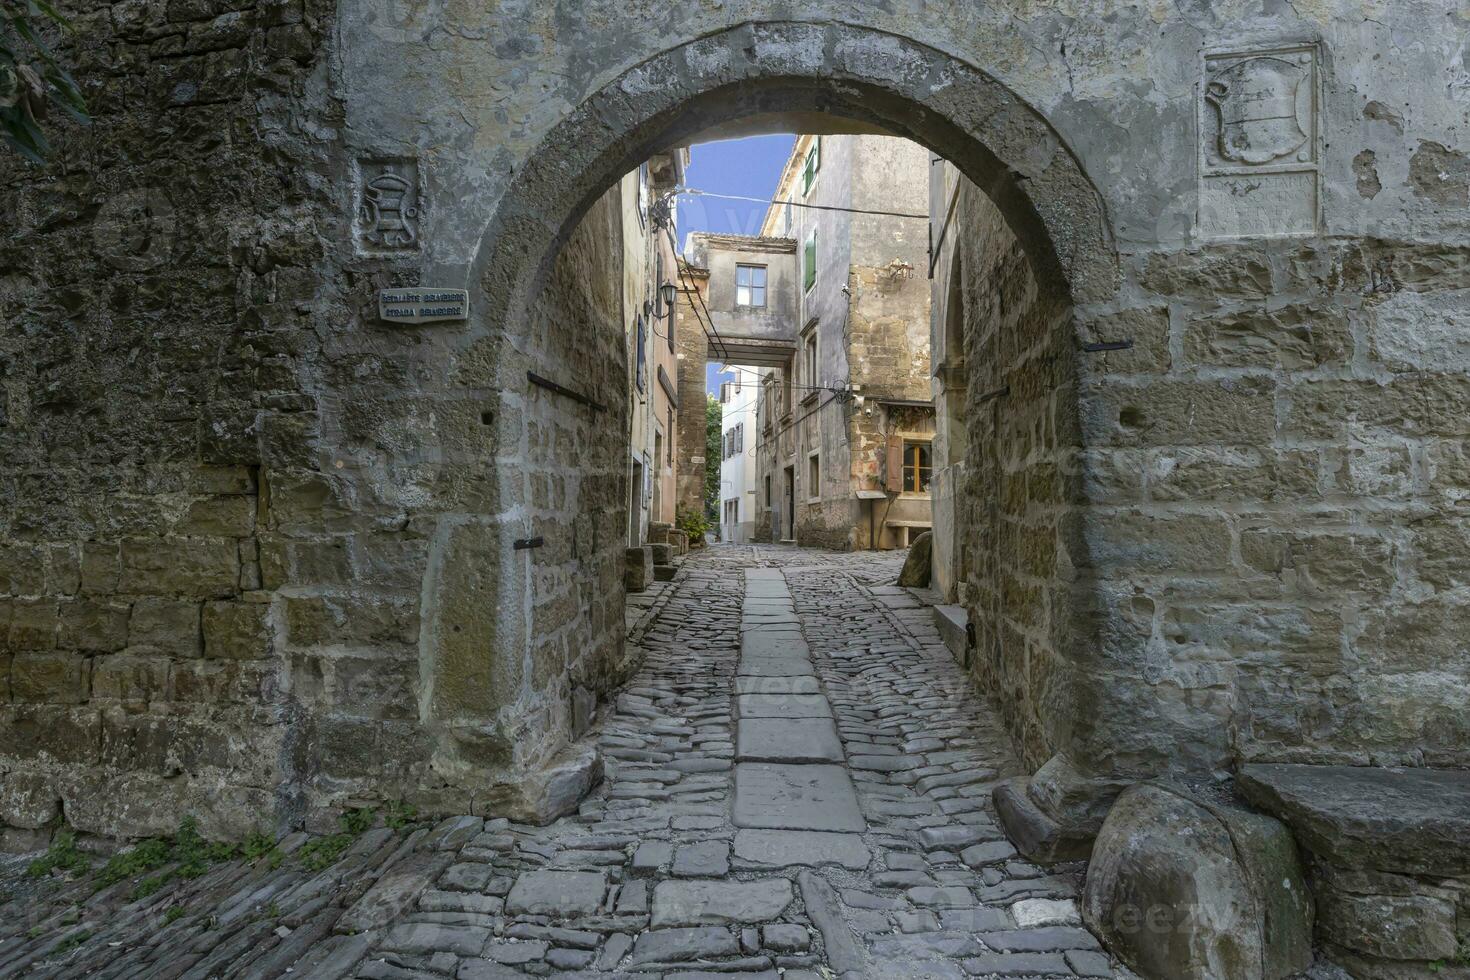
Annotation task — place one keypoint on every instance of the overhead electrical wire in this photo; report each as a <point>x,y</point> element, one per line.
<point>695,192</point>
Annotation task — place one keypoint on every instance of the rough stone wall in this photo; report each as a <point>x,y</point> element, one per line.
<point>220,549</point>
<point>693,352</point>
<point>1277,462</point>
<point>156,280</point>
<point>1018,500</point>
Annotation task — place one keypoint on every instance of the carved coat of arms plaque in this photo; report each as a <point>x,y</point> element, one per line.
<point>388,207</point>
<point>1258,125</point>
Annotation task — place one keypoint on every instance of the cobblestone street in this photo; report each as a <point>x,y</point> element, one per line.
<point>797,784</point>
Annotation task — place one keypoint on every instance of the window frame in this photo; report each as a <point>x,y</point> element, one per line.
<point>810,360</point>
<point>916,469</point>
<point>751,286</point>
<point>814,476</point>
<point>809,262</point>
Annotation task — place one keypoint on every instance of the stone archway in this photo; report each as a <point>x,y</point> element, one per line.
<point>1035,186</point>
<point>1000,143</point>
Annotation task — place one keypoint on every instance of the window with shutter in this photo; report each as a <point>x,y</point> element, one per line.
<point>809,261</point>
<point>642,343</point>
<point>894,460</point>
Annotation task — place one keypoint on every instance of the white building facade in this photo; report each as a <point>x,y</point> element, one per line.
<point>737,457</point>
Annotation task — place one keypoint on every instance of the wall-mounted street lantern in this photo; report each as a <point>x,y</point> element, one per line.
<point>666,295</point>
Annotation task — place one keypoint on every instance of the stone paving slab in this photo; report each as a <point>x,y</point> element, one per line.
<point>801,684</point>
<point>806,848</point>
<point>782,706</point>
<point>788,740</point>
<point>695,903</point>
<point>796,797</point>
<point>775,667</point>
<point>771,640</point>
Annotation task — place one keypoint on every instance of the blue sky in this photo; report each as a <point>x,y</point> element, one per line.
<point>747,167</point>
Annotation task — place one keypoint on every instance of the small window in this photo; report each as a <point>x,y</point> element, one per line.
<point>768,491</point>
<point>809,262</point>
<point>750,285</point>
<point>811,166</point>
<point>809,354</point>
<point>814,476</point>
<point>917,467</point>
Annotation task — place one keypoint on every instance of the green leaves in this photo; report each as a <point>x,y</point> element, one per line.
<point>32,77</point>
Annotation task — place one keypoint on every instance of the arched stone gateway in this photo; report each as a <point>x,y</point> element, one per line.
<point>1038,201</point>
<point>258,547</point>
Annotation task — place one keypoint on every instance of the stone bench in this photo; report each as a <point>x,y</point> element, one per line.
<point>1391,850</point>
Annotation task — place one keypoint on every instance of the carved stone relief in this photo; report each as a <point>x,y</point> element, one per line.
<point>1258,124</point>
<point>389,208</point>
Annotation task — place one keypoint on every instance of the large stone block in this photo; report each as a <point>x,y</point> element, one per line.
<point>33,625</point>
<point>472,634</point>
<point>202,567</point>
<point>51,733</point>
<point>1183,890</point>
<point>351,621</point>
<point>1239,412</point>
<point>94,625</point>
<point>1035,833</point>
<point>1293,338</point>
<point>1414,821</point>
<point>128,678</point>
<point>917,566</point>
<point>236,630</point>
<point>1395,927</point>
<point>49,678</point>
<point>28,799</point>
<point>638,568</point>
<point>168,626</point>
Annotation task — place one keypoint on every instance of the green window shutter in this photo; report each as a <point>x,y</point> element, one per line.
<point>809,262</point>
<point>816,154</point>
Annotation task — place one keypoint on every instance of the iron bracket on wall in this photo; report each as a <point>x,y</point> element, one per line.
<point>992,395</point>
<point>523,543</point>
<point>564,391</point>
<point>1109,345</point>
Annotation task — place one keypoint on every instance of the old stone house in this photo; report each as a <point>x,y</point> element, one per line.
<point>264,550</point>
<point>846,423</point>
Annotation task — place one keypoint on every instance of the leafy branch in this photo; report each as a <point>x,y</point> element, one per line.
<point>31,77</point>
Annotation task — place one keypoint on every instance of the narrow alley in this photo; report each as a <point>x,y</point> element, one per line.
<point>797,784</point>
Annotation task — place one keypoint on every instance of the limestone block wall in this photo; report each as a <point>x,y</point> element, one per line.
<point>1273,469</point>
<point>247,570</point>
<point>1018,504</point>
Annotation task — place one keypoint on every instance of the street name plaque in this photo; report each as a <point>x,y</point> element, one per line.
<point>423,305</point>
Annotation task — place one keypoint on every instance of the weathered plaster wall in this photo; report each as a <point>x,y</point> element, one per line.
<point>887,328</point>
